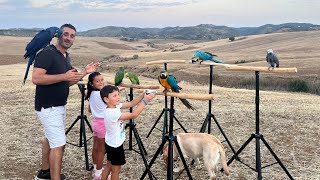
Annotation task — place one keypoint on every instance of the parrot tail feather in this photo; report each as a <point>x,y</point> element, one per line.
<point>216,61</point>
<point>187,104</point>
<point>31,59</point>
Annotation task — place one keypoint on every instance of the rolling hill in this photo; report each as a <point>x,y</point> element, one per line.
<point>199,32</point>
<point>295,49</point>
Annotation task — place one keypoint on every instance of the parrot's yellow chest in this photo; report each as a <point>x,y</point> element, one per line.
<point>164,83</point>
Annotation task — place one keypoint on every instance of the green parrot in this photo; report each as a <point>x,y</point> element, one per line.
<point>133,77</point>
<point>119,76</point>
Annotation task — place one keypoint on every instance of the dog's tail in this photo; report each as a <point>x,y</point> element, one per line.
<point>224,160</point>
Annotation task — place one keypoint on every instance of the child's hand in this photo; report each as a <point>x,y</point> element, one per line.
<point>148,97</point>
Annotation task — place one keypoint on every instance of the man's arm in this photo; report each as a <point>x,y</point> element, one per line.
<point>39,77</point>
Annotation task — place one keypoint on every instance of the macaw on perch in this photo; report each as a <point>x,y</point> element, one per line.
<point>169,82</point>
<point>39,41</point>
<point>204,56</point>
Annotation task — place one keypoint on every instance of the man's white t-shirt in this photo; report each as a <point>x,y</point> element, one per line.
<point>115,134</point>
<point>97,106</point>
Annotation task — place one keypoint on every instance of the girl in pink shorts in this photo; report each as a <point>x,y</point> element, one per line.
<point>97,107</point>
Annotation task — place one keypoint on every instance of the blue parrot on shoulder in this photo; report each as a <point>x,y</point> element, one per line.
<point>39,41</point>
<point>169,82</point>
<point>204,56</point>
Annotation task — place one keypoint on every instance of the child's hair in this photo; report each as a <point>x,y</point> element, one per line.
<point>106,90</point>
<point>90,88</point>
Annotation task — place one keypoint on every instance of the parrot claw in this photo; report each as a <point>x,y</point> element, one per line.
<point>270,68</point>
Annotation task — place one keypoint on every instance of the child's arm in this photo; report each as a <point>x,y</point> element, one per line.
<point>138,110</point>
<point>133,102</point>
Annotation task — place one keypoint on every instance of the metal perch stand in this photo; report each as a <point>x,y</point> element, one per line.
<point>257,135</point>
<point>165,110</point>
<point>83,120</point>
<point>172,138</point>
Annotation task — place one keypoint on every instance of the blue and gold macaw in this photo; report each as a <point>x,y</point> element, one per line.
<point>204,56</point>
<point>169,82</point>
<point>39,41</point>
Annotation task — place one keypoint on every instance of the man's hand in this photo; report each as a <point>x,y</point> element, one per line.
<point>92,67</point>
<point>73,75</point>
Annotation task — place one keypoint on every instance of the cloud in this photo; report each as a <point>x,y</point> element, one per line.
<point>108,4</point>
<point>5,7</point>
<point>50,3</point>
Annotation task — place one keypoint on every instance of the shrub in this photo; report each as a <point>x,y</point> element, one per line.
<point>298,86</point>
<point>135,56</point>
<point>240,61</point>
<point>232,38</point>
<point>314,87</point>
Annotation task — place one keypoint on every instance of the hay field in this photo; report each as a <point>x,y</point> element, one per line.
<point>289,121</point>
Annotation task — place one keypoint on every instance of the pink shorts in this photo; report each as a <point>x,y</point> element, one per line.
<point>98,127</point>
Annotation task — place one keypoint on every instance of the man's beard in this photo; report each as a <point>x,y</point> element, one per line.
<point>63,44</point>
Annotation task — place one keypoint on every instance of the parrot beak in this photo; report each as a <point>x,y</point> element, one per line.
<point>194,60</point>
<point>163,75</point>
<point>56,34</point>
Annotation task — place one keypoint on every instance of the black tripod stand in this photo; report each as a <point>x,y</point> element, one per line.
<point>171,139</point>
<point>258,137</point>
<point>165,113</point>
<point>132,129</point>
<point>83,119</point>
<point>207,121</point>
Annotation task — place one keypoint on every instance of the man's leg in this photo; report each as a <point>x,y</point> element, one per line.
<point>45,154</point>
<point>55,160</point>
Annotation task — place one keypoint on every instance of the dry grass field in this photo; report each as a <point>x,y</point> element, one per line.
<point>289,121</point>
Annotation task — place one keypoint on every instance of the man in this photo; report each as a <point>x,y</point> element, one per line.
<point>272,59</point>
<point>52,75</point>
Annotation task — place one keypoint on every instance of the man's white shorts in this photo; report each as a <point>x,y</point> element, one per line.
<point>53,121</point>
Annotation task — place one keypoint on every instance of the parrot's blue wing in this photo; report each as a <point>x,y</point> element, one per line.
<point>173,83</point>
<point>175,88</point>
<point>40,41</point>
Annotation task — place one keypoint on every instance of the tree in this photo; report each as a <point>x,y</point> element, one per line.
<point>232,38</point>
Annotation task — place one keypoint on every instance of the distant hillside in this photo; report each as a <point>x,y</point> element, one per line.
<point>203,31</point>
<point>19,32</point>
<point>270,28</point>
<point>199,32</point>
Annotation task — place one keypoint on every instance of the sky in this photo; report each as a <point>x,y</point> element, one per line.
<point>92,14</point>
